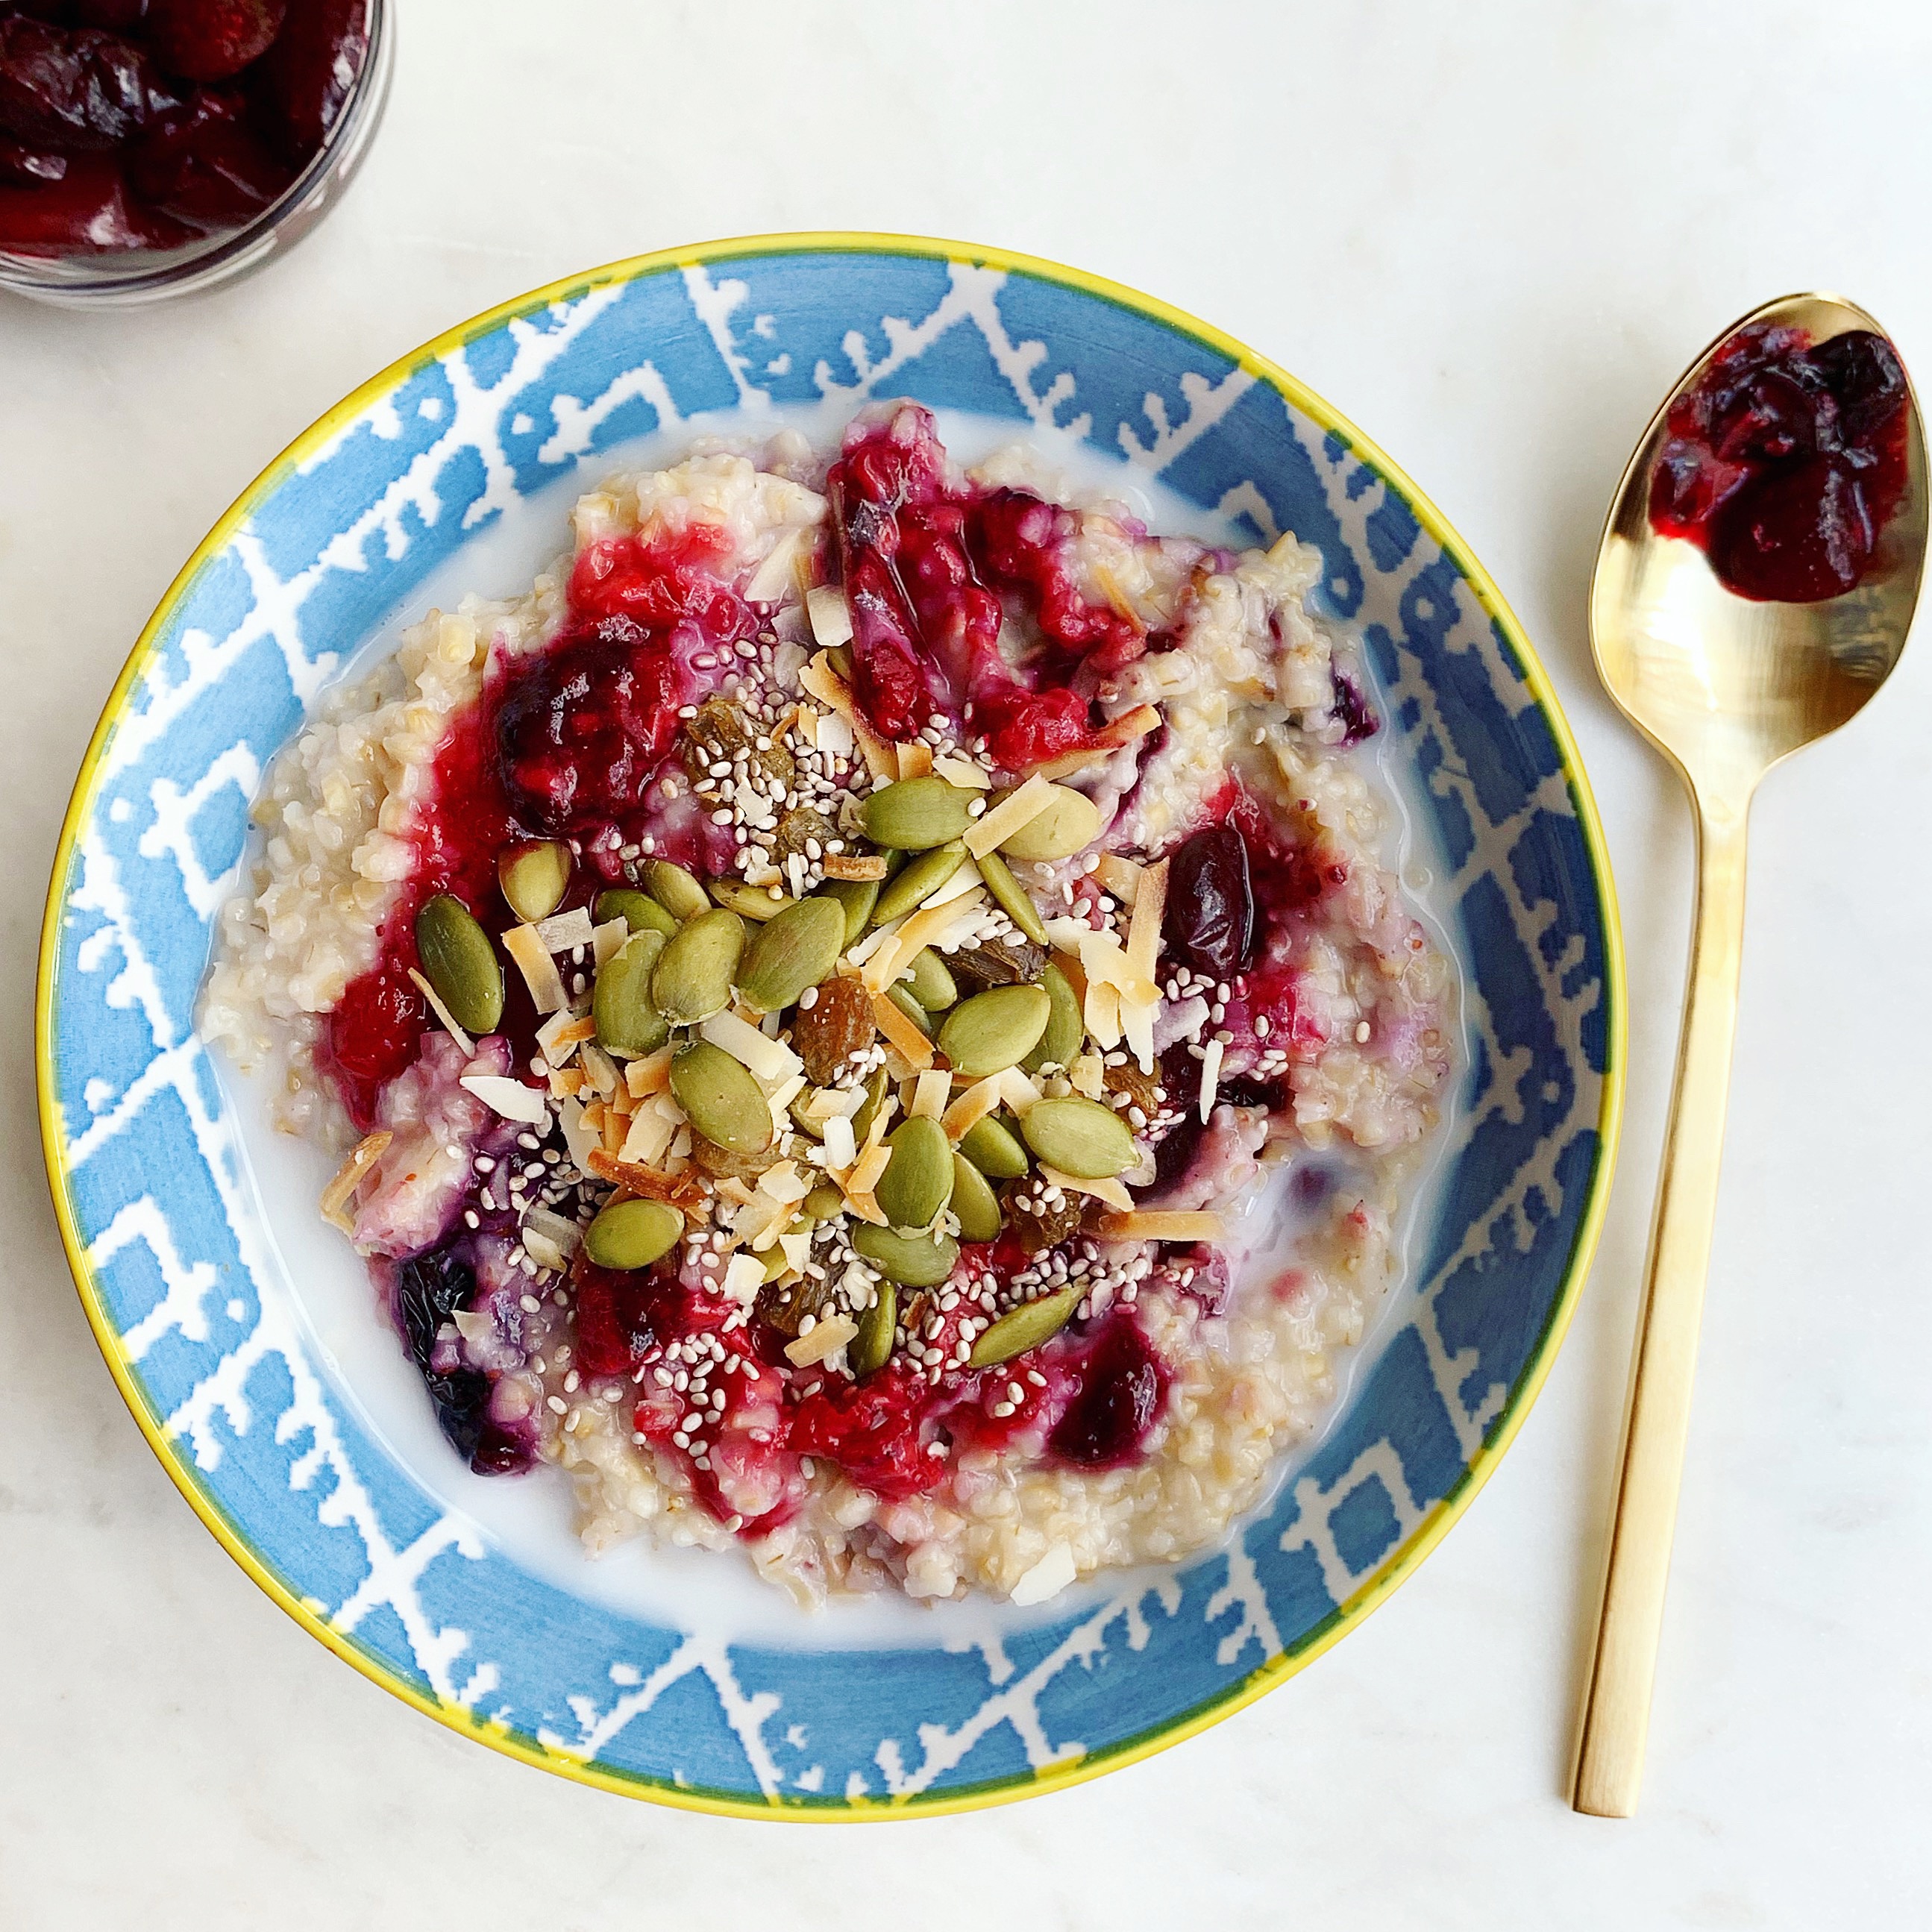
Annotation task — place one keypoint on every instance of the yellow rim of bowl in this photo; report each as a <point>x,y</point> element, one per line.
<point>1344,1616</point>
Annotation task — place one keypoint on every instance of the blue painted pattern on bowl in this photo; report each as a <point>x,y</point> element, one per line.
<point>145,1158</point>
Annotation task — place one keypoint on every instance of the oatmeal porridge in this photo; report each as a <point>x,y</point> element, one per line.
<point>828,1003</point>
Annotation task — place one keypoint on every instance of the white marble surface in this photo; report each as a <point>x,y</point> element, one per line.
<point>1492,234</point>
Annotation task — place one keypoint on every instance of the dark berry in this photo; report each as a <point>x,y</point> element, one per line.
<point>23,166</point>
<point>430,1287</point>
<point>308,74</point>
<point>86,210</point>
<point>211,40</point>
<point>1123,1385</point>
<point>1210,919</point>
<point>204,165</point>
<point>1352,707</point>
<point>114,16</point>
<point>76,90</point>
<point>1785,460</point>
<point>613,1326</point>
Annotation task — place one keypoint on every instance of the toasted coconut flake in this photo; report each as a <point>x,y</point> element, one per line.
<point>341,1190</point>
<point>854,865</point>
<point>683,1191</point>
<point>1157,1225</point>
<point>971,1107</point>
<point>1120,877</point>
<point>929,1092</point>
<point>825,1338</point>
<point>1113,1192</point>
<point>564,931</point>
<point>770,1060</point>
<point>562,1033</point>
<point>1010,815</point>
<point>831,620</point>
<point>915,760</point>
<point>606,941</point>
<point>964,772</point>
<point>650,1075</point>
<point>900,1032</point>
<point>510,1098</point>
<point>831,690</point>
<point>539,969</point>
<point>443,1014</point>
<point>1144,933</point>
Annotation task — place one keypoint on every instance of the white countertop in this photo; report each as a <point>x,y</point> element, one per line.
<point>1492,234</point>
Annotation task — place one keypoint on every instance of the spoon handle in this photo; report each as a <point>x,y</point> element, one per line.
<point>1616,1708</point>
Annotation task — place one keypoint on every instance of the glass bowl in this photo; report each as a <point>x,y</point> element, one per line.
<point>138,276</point>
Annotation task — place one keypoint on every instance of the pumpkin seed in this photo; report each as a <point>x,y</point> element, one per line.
<point>867,1350</point>
<point>868,1109</point>
<point>994,1030</point>
<point>1068,822</point>
<point>534,878</point>
<point>900,996</point>
<point>676,890</point>
<point>1080,1137</point>
<point>638,911</point>
<point>918,881</point>
<point>912,1191</point>
<point>912,1261</point>
<point>459,962</point>
<point>932,986</point>
<point>1025,1327</point>
<point>796,949</point>
<point>721,1099</point>
<point>627,1024</point>
<point>915,815</point>
<point>840,659</point>
<point>1066,1025</point>
<point>822,1203</point>
<point>633,1233</point>
<point>974,1205</point>
<point>1011,897</point>
<point>857,897</point>
<point>994,1150</point>
<point>754,902</point>
<point>775,1262</point>
<point>694,973</point>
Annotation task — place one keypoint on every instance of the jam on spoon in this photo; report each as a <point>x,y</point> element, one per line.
<point>1785,460</point>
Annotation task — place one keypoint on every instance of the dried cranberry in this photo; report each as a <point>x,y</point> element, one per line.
<point>310,72</point>
<point>211,40</point>
<point>78,89</point>
<point>203,165</point>
<point>1210,920</point>
<point>115,17</point>
<point>1123,1385</point>
<point>871,1430</point>
<point>23,166</point>
<point>1785,460</point>
<point>581,733</point>
<point>88,210</point>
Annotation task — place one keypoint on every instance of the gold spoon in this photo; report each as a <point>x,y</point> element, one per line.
<point>1724,687</point>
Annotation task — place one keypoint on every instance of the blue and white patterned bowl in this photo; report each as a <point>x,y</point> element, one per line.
<point>250,1416</point>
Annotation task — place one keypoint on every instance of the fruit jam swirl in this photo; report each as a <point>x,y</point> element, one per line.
<point>974,649</point>
<point>1786,461</point>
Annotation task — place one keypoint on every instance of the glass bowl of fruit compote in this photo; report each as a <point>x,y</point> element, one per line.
<point>151,146</point>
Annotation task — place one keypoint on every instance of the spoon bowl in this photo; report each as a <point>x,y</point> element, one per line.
<point>1725,686</point>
